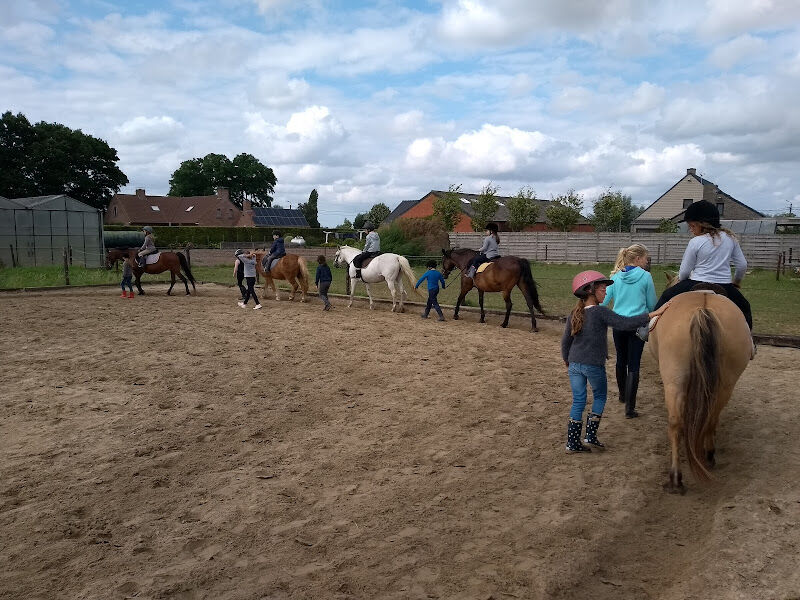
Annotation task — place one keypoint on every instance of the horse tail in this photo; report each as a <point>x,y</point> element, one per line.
<point>701,388</point>
<point>409,273</point>
<point>186,269</point>
<point>529,289</point>
<point>301,264</point>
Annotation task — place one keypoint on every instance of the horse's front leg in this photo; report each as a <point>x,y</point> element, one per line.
<point>352,291</point>
<point>480,303</point>
<point>507,298</point>
<point>139,284</point>
<point>466,286</point>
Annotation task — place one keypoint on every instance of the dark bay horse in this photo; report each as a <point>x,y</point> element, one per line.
<point>291,268</point>
<point>501,276</point>
<point>702,344</point>
<point>174,262</point>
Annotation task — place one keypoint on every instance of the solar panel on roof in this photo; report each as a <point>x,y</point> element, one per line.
<point>284,217</point>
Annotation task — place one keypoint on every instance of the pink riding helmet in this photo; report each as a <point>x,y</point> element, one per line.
<point>583,282</point>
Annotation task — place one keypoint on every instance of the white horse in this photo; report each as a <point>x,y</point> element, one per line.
<point>386,267</point>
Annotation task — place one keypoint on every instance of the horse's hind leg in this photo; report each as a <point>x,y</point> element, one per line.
<point>529,302</point>
<point>369,295</point>
<point>507,298</point>
<point>674,484</point>
<point>480,302</point>
<point>172,284</point>
<point>392,290</point>
<point>185,284</point>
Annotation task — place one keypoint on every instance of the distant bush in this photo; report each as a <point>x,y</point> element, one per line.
<point>417,236</point>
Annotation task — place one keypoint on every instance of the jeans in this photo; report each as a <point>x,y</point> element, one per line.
<point>734,295</point>
<point>126,281</point>
<point>433,302</point>
<point>629,350</point>
<point>250,291</point>
<point>579,374</point>
<point>324,286</point>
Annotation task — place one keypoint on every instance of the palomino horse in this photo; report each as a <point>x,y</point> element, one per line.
<point>385,267</point>
<point>702,344</point>
<point>173,262</point>
<point>291,268</point>
<point>500,276</point>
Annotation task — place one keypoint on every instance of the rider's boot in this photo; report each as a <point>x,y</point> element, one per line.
<point>622,374</point>
<point>592,423</point>
<point>631,388</point>
<point>470,272</point>
<point>358,273</point>
<point>574,437</point>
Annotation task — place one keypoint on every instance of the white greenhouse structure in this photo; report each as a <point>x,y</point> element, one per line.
<point>36,231</point>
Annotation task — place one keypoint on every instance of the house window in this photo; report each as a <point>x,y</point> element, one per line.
<point>687,202</point>
<point>190,208</point>
<point>219,213</point>
<point>721,208</point>
<point>154,208</point>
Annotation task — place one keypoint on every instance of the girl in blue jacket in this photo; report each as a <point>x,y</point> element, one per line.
<point>633,293</point>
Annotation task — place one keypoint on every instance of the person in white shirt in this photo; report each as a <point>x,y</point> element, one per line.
<point>708,257</point>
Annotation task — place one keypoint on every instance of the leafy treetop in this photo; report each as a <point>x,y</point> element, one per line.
<point>485,207</point>
<point>447,208</point>
<point>522,209</point>
<point>564,211</point>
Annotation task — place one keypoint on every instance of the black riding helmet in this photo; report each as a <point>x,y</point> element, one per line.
<point>491,227</point>
<point>702,212</point>
<point>369,226</point>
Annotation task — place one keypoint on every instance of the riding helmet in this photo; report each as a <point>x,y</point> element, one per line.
<point>276,232</point>
<point>147,228</point>
<point>369,226</point>
<point>238,252</point>
<point>583,283</point>
<point>702,212</point>
<point>491,227</point>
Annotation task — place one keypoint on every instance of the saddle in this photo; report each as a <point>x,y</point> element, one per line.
<point>151,259</point>
<point>700,288</point>
<point>485,265</point>
<point>274,262</point>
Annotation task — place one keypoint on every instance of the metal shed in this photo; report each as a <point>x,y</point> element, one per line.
<point>35,231</point>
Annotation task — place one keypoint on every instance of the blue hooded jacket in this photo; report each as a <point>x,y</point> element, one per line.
<point>633,292</point>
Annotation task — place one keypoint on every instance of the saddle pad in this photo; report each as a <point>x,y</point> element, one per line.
<point>484,266</point>
<point>152,259</point>
<point>274,262</point>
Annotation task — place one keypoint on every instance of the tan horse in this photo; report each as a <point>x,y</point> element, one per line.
<point>702,344</point>
<point>291,268</point>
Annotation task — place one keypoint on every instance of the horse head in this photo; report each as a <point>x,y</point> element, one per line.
<point>337,258</point>
<point>448,264</point>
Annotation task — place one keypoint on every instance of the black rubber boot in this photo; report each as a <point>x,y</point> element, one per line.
<point>574,437</point>
<point>358,273</point>
<point>631,387</point>
<point>622,374</point>
<point>592,423</point>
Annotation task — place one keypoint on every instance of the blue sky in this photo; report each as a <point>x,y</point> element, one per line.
<point>383,101</point>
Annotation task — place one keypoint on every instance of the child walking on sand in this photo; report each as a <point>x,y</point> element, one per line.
<point>434,278</point>
<point>584,348</point>
<point>127,277</point>
<point>249,261</point>
<point>323,281</point>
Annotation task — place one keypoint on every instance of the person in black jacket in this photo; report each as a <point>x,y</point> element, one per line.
<point>277,250</point>
<point>323,281</point>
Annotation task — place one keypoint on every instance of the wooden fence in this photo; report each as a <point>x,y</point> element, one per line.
<point>665,248</point>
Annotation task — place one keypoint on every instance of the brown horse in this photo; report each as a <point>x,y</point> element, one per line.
<point>173,262</point>
<point>702,344</point>
<point>291,268</point>
<point>500,276</point>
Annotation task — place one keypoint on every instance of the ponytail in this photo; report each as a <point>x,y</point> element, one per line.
<point>620,263</point>
<point>626,256</point>
<point>496,236</point>
<point>577,315</point>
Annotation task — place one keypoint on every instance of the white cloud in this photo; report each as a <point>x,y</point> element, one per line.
<point>148,130</point>
<point>571,99</point>
<point>646,97</point>
<point>727,55</point>
<point>651,165</point>
<point>724,17</point>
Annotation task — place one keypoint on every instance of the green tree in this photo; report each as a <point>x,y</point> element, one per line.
<point>358,222</point>
<point>447,208</point>
<point>245,176</point>
<point>50,158</point>
<point>614,211</point>
<point>667,226</point>
<point>309,209</point>
<point>345,225</point>
<point>522,209</point>
<point>485,207</point>
<point>378,213</point>
<point>564,211</point>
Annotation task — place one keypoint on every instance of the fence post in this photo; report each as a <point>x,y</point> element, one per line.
<point>13,258</point>
<point>69,248</point>
<point>783,263</point>
<point>545,253</point>
<point>66,266</point>
<point>778,268</point>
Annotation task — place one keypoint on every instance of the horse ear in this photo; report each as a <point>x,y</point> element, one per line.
<point>444,252</point>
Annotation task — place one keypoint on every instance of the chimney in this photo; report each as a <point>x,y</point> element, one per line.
<point>691,171</point>
<point>140,194</point>
<point>223,194</point>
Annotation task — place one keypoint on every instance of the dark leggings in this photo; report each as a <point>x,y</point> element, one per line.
<point>239,280</point>
<point>734,295</point>
<point>433,302</point>
<point>251,291</point>
<point>127,281</point>
<point>359,260</point>
<point>477,261</point>
<point>629,350</point>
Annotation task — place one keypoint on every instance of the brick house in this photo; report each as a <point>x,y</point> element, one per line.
<point>208,211</point>
<point>691,188</point>
<point>423,207</point>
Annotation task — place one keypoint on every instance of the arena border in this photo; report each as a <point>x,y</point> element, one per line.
<point>778,340</point>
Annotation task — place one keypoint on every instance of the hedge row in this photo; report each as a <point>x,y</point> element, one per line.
<point>210,237</point>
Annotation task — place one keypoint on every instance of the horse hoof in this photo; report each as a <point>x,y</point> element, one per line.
<point>535,329</point>
<point>402,309</point>
<point>504,325</point>
<point>455,317</point>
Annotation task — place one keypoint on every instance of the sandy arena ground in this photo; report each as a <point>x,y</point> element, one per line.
<point>174,447</point>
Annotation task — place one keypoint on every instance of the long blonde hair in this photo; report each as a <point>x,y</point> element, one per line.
<point>626,256</point>
<point>714,231</point>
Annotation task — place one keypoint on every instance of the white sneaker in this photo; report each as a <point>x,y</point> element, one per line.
<point>256,307</point>
<point>241,305</point>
